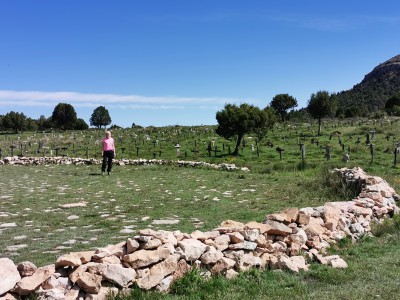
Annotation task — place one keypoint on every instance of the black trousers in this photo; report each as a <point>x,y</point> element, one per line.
<point>107,160</point>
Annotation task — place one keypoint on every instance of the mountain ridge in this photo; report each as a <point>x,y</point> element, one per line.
<point>371,94</point>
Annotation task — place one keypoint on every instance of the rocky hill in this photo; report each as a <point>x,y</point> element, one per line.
<point>370,95</point>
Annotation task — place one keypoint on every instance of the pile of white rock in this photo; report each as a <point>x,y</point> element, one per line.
<point>60,160</point>
<point>155,259</point>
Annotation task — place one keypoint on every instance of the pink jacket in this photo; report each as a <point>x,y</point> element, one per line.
<point>108,144</point>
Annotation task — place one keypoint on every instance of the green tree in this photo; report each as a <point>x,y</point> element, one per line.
<point>395,111</point>
<point>282,103</point>
<point>31,124</point>
<point>43,123</point>
<point>100,117</point>
<point>271,119</point>
<point>81,124</point>
<point>392,104</point>
<point>14,121</point>
<point>236,121</point>
<point>64,116</point>
<point>321,105</point>
<point>301,115</point>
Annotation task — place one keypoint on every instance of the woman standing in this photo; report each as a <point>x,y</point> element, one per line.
<point>108,153</point>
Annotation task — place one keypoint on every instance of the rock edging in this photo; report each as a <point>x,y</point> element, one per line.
<point>16,160</point>
<point>156,259</point>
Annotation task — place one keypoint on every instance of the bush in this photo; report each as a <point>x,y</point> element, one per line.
<point>337,187</point>
<point>388,226</point>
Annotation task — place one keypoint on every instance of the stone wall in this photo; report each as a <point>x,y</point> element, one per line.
<point>155,259</point>
<point>26,161</point>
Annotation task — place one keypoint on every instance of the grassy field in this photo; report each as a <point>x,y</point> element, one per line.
<point>38,224</point>
<point>158,197</point>
<point>185,199</point>
<point>341,136</point>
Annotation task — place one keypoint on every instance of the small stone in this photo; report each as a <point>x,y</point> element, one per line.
<point>26,268</point>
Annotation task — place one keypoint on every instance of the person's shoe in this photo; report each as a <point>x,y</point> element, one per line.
<point>102,173</point>
<point>109,173</point>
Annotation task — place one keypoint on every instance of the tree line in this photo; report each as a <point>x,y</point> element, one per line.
<point>236,121</point>
<point>64,117</point>
<point>233,121</point>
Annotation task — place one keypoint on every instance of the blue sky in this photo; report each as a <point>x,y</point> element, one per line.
<point>177,62</point>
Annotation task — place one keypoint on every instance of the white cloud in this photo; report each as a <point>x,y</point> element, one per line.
<point>50,99</point>
<point>335,23</point>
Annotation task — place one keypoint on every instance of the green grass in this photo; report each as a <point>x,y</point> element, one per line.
<point>135,198</point>
<point>32,197</point>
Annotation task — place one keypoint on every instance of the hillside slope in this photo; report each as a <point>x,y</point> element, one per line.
<point>373,91</point>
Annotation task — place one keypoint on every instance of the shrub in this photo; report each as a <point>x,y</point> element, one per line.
<point>337,187</point>
<point>388,226</point>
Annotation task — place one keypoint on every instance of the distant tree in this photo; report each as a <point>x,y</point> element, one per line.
<point>271,119</point>
<point>395,111</point>
<point>64,116</point>
<point>349,112</point>
<point>14,121</point>
<point>300,115</point>
<point>321,105</point>
<point>392,105</point>
<point>43,123</point>
<point>115,126</point>
<point>282,103</point>
<point>236,121</point>
<point>100,117</point>
<point>271,116</point>
<point>81,125</point>
<point>378,114</point>
<point>31,124</point>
